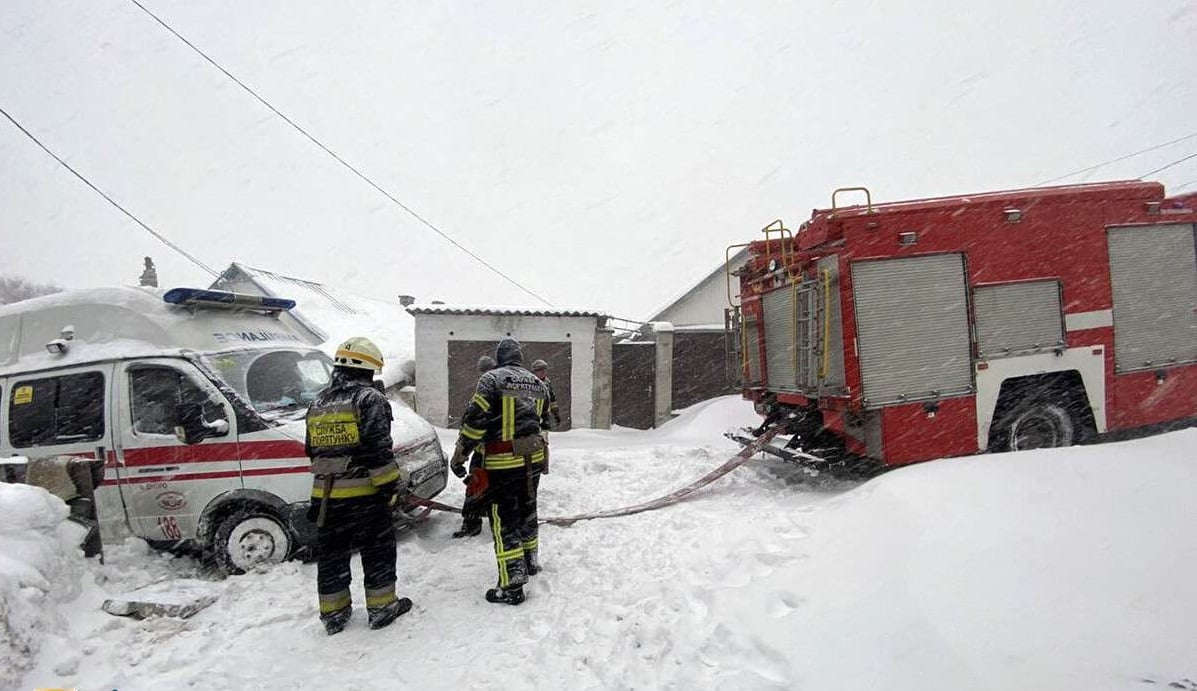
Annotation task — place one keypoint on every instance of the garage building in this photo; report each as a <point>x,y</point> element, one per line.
<point>450,339</point>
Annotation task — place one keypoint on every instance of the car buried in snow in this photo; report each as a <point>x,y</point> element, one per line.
<point>194,402</point>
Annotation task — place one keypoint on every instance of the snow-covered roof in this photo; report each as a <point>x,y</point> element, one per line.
<point>504,310</point>
<point>334,315</point>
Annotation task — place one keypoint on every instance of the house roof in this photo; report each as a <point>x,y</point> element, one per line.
<point>736,260</point>
<point>503,310</point>
<point>334,315</point>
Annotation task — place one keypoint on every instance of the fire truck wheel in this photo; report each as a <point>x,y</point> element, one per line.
<point>1040,425</point>
<point>250,538</point>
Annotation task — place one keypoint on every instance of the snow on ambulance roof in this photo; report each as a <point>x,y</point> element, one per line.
<point>126,322</point>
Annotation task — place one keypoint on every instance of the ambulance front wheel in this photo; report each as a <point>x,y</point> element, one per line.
<point>250,538</point>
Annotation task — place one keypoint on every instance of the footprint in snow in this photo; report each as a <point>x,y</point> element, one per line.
<point>782,603</point>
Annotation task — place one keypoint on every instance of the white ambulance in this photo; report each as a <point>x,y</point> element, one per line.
<point>195,402</point>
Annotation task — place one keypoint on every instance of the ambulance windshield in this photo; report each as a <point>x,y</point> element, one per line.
<point>279,384</point>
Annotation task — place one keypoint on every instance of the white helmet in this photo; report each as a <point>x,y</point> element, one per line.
<point>359,353</point>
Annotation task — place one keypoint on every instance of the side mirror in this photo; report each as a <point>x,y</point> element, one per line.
<point>192,428</point>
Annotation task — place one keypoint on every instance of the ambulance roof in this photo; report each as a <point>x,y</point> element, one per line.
<point>115,323</point>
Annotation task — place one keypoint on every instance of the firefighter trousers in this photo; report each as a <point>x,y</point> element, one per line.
<point>513,521</point>
<point>361,524</point>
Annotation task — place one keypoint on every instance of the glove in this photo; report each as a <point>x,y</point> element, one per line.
<point>457,463</point>
<point>395,494</point>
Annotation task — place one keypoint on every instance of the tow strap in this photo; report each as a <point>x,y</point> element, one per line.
<point>673,497</point>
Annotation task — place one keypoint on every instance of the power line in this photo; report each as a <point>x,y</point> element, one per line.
<point>111,201</point>
<point>340,160</point>
<point>1120,158</point>
<point>1183,185</point>
<point>1174,163</point>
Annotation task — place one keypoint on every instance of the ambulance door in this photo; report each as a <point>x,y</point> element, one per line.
<point>177,446</point>
<point>67,412</point>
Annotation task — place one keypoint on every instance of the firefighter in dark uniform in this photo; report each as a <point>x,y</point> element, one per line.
<point>505,417</point>
<point>541,369</point>
<point>356,484</point>
<point>473,508</point>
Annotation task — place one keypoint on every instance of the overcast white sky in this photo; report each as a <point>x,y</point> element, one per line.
<point>602,153</point>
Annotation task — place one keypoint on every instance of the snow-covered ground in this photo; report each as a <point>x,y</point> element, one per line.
<point>1061,569</point>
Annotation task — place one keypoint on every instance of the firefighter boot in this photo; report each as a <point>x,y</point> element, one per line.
<point>511,595</point>
<point>469,527</point>
<point>334,622</point>
<point>388,613</point>
<point>532,561</point>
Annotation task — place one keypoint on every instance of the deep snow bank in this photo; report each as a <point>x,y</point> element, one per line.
<point>39,566</point>
<point>1054,569</point>
<point>1062,569</point>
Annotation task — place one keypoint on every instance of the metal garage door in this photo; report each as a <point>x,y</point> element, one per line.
<point>463,373</point>
<point>912,328</point>
<point>778,308</point>
<point>1018,318</point>
<point>1153,270</point>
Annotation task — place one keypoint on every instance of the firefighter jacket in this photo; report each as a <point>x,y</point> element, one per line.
<point>505,416</point>
<point>349,441</point>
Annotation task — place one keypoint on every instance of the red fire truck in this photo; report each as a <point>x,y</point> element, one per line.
<point>879,335</point>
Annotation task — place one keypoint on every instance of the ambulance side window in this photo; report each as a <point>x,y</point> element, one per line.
<point>156,393</point>
<point>56,410</point>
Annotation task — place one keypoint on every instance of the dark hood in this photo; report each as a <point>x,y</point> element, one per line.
<point>509,353</point>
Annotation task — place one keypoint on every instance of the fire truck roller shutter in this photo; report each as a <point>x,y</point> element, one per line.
<point>1153,271</point>
<point>778,309</point>
<point>830,328</point>
<point>912,328</point>
<point>1018,318</point>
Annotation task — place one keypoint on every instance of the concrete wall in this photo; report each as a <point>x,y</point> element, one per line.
<point>663,387</point>
<point>434,331</point>
<point>601,417</point>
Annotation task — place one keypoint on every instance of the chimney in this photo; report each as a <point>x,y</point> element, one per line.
<point>149,276</point>
<point>407,300</point>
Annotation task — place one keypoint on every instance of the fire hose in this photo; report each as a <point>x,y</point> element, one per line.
<point>673,497</point>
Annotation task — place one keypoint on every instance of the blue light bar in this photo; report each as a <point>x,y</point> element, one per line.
<point>198,297</point>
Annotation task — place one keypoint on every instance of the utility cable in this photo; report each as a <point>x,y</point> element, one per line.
<point>1174,163</point>
<point>110,200</point>
<point>1116,160</point>
<point>340,160</point>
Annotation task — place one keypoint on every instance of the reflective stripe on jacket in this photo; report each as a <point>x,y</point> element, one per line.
<point>509,406</point>
<point>349,440</point>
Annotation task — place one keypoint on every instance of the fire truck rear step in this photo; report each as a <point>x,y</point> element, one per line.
<point>847,466</point>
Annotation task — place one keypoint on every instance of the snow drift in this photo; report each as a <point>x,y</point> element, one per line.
<point>40,566</point>
<point>1056,569</point>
